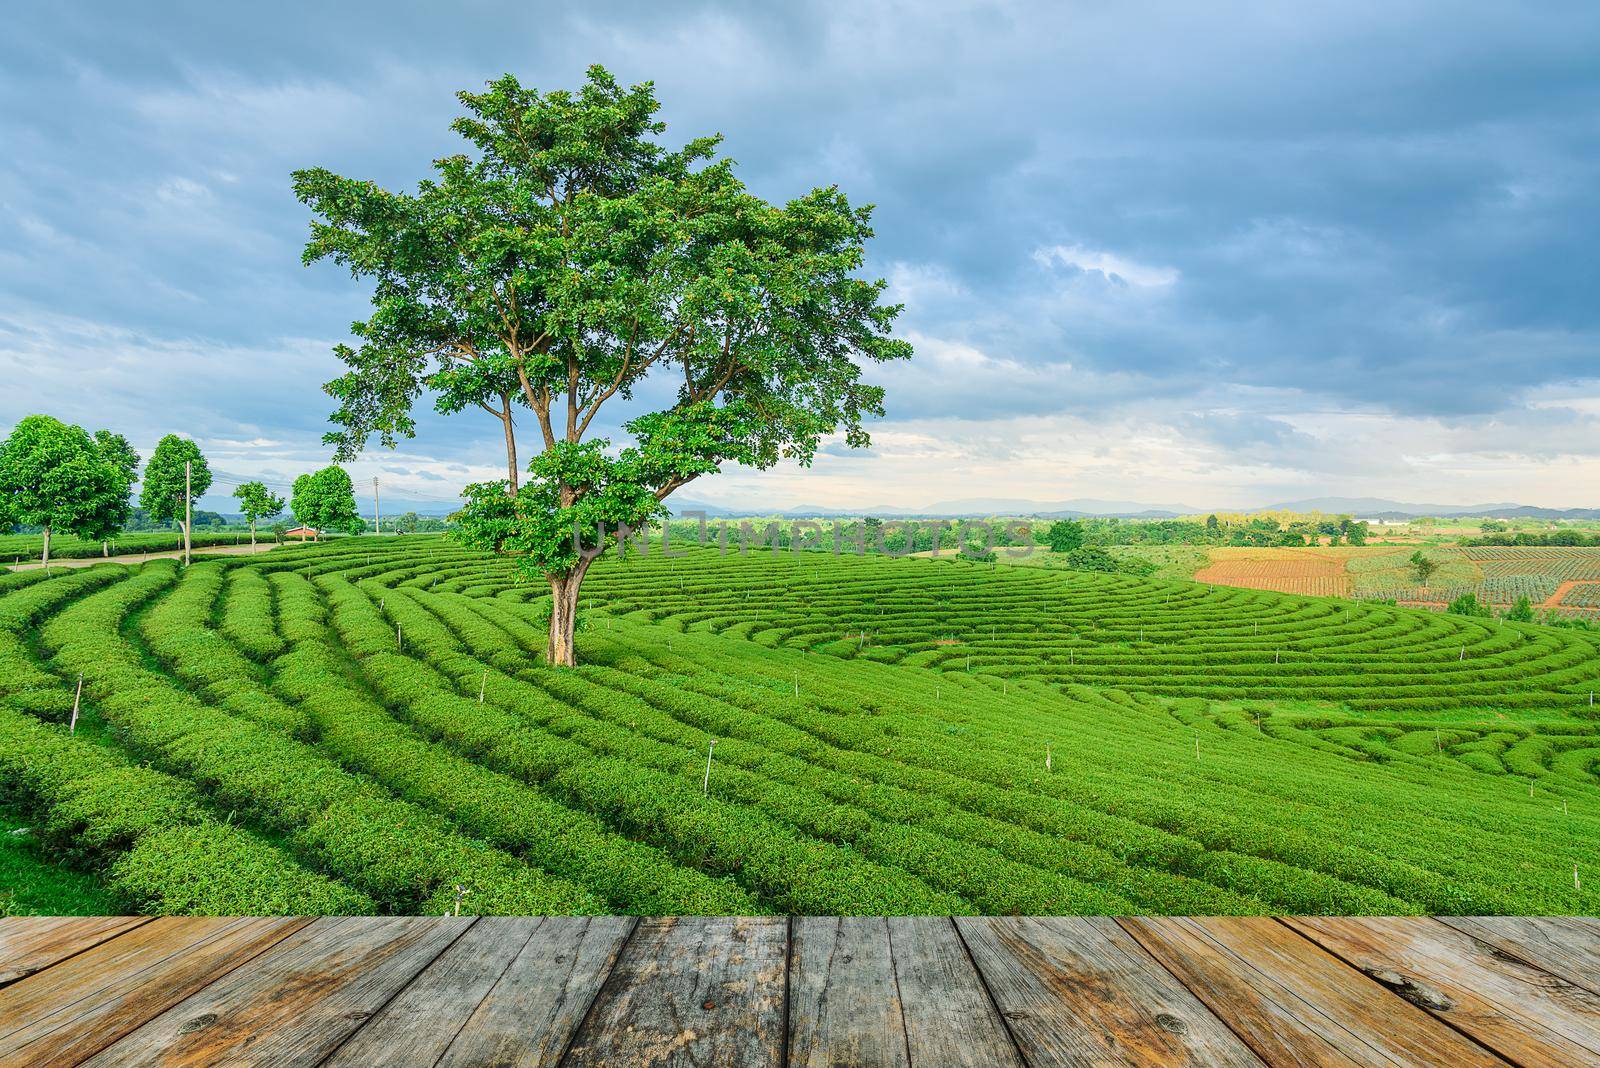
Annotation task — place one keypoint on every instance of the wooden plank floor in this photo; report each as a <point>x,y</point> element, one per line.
<point>806,991</point>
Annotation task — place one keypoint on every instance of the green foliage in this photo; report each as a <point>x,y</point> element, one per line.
<point>1469,605</point>
<point>1092,558</point>
<point>256,503</point>
<point>565,259</point>
<point>1065,535</point>
<point>163,494</point>
<point>57,477</point>
<point>1521,611</point>
<point>1422,568</point>
<point>325,500</point>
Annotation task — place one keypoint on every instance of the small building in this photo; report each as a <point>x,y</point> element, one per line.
<point>302,533</point>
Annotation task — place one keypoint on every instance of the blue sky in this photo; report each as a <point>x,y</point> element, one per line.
<point>1226,253</point>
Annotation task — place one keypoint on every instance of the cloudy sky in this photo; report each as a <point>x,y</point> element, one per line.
<point>1223,253</point>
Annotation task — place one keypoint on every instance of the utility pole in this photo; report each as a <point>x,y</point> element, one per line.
<point>188,509</point>
<point>377,517</point>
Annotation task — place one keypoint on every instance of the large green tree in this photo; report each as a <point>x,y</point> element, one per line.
<point>176,476</point>
<point>117,509</point>
<point>326,500</point>
<point>1065,535</point>
<point>55,476</point>
<point>256,502</point>
<point>561,262</point>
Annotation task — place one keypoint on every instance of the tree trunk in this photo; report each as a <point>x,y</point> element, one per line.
<point>511,449</point>
<point>560,652</point>
<point>46,554</point>
<point>252,533</point>
<point>185,528</point>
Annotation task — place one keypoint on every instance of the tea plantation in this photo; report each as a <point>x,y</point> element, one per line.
<point>366,726</point>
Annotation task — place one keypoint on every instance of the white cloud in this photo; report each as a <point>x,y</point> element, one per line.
<point>1112,267</point>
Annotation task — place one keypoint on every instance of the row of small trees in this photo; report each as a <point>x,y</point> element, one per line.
<point>60,478</point>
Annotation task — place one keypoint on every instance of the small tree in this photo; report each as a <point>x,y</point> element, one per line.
<point>1521,611</point>
<point>569,259</point>
<point>326,500</point>
<point>170,490</point>
<point>1422,568</point>
<point>1469,605</point>
<point>257,502</point>
<point>1091,558</point>
<point>1065,535</point>
<point>56,477</point>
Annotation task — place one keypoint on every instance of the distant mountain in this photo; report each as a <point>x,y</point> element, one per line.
<point>1376,505</point>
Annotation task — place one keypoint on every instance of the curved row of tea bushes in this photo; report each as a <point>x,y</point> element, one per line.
<point>162,851</point>
<point>406,859</point>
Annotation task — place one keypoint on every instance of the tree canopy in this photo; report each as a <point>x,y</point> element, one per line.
<point>162,494</point>
<point>1065,535</point>
<point>55,476</point>
<point>326,501</point>
<point>256,502</point>
<point>563,260</point>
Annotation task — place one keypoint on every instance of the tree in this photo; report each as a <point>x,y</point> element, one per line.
<point>1091,558</point>
<point>257,502</point>
<point>116,509</point>
<point>1065,535</point>
<point>1521,611</point>
<point>326,500</point>
<point>563,262</point>
<point>1213,524</point>
<point>1469,605</point>
<point>55,476</point>
<point>170,489</point>
<point>1422,568</point>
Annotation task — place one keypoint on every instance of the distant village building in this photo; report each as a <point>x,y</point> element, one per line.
<point>302,533</point>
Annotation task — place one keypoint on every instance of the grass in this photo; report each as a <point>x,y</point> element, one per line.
<point>31,884</point>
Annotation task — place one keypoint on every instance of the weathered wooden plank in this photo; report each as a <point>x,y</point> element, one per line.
<point>844,1007</point>
<point>1523,1012</point>
<point>67,1013</point>
<point>1080,990</point>
<point>511,991</point>
<point>949,1020</point>
<point>691,990</point>
<point>296,1003</point>
<point>30,943</point>
<point>1294,1003</point>
<point>1568,946</point>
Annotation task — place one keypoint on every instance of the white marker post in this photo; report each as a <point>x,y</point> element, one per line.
<point>72,724</point>
<point>1048,765</point>
<point>483,684</point>
<point>705,787</point>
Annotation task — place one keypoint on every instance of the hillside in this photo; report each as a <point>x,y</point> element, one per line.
<point>365,726</point>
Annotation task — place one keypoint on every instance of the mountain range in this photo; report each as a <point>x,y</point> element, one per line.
<point>1077,508</point>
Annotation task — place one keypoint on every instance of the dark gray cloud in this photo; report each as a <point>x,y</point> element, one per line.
<point>1361,207</point>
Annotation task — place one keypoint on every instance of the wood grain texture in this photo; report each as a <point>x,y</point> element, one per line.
<point>532,1014</point>
<point>71,1011</point>
<point>691,990</point>
<point>1568,946</point>
<point>844,1002</point>
<point>950,1021</point>
<point>296,1003</point>
<point>1081,991</point>
<point>31,943</point>
<point>511,991</point>
<point>1523,1012</point>
<point>1294,1003</point>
